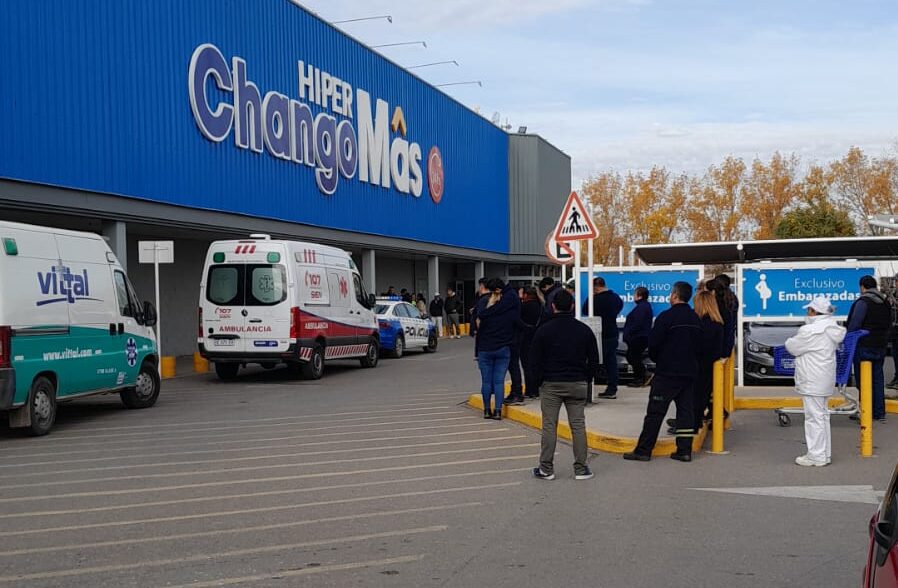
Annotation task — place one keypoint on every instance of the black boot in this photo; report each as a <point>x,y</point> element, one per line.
<point>487,413</point>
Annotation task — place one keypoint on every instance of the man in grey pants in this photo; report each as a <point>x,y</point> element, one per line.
<point>565,358</point>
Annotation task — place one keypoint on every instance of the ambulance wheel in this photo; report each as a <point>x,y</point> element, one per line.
<point>784,420</point>
<point>399,347</point>
<point>146,391</point>
<point>42,406</point>
<point>314,368</point>
<point>431,343</point>
<point>226,371</point>
<point>372,355</point>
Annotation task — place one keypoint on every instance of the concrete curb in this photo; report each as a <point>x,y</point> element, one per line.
<point>774,402</point>
<point>596,440</point>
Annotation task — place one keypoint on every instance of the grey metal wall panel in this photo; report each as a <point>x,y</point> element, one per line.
<point>539,183</point>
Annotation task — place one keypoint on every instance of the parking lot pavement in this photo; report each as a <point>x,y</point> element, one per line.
<point>381,478</point>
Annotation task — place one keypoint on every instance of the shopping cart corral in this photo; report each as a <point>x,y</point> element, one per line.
<point>784,365</point>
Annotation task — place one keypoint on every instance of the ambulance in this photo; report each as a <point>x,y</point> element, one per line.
<point>70,326</point>
<point>270,302</point>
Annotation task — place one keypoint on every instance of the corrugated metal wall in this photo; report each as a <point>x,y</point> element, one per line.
<point>94,96</point>
<point>539,184</point>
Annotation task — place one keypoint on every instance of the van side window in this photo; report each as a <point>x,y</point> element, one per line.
<point>121,294</point>
<point>268,285</point>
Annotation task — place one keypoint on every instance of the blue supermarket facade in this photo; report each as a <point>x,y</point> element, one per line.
<point>209,119</point>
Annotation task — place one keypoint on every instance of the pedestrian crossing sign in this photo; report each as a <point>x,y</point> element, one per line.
<point>575,223</point>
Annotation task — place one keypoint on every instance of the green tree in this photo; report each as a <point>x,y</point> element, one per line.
<point>815,220</point>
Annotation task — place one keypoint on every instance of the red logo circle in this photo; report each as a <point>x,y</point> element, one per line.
<point>435,176</point>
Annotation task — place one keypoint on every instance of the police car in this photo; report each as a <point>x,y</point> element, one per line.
<point>403,327</point>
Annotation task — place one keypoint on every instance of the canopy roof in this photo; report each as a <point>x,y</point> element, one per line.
<point>728,252</point>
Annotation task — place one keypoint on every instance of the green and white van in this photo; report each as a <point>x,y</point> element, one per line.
<point>70,326</point>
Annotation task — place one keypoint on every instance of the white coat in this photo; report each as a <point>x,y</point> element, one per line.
<point>814,348</point>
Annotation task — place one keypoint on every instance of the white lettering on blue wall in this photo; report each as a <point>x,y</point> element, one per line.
<point>288,130</point>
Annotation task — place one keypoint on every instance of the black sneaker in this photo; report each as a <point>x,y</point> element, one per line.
<point>633,456</point>
<point>541,475</point>
<point>607,395</point>
<point>684,457</point>
<point>636,384</point>
<point>516,401</point>
<point>487,414</point>
<point>496,416</point>
<point>586,474</point>
<point>671,422</point>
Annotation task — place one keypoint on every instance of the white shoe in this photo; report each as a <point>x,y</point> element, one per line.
<point>804,460</point>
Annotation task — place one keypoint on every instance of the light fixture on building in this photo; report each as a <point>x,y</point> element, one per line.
<point>451,61</point>
<point>388,18</point>
<point>422,43</point>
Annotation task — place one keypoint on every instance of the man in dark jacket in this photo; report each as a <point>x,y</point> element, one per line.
<point>550,288</point>
<point>436,313</point>
<point>873,313</point>
<point>636,335</point>
<point>675,345</point>
<point>607,304</point>
<point>452,307</point>
<point>565,358</point>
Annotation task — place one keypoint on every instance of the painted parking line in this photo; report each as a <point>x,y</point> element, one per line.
<point>260,509</point>
<point>59,439</point>
<point>256,458</point>
<point>218,555</point>
<point>223,497</point>
<point>106,493</point>
<point>236,531</point>
<point>140,453</point>
<point>104,448</point>
<point>302,572</point>
<point>255,468</point>
<point>401,407</point>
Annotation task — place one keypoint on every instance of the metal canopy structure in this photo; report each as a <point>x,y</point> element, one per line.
<point>729,252</point>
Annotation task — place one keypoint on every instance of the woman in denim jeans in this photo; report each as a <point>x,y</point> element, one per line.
<point>496,330</point>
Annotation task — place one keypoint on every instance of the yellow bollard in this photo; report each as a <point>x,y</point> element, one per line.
<point>866,402</point>
<point>200,364</point>
<point>717,400</point>
<point>168,366</point>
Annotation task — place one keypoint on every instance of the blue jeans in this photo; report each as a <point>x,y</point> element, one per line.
<point>493,365</point>
<point>877,358</point>
<point>609,359</point>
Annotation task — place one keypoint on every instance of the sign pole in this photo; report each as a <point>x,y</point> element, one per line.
<point>577,310</point>
<point>158,310</point>
<point>740,321</point>
<point>563,274</point>
<point>589,262</point>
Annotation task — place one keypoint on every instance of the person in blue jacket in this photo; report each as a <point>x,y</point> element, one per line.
<point>607,304</point>
<point>497,324</point>
<point>636,336</point>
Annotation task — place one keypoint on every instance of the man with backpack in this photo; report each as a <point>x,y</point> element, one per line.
<point>872,312</point>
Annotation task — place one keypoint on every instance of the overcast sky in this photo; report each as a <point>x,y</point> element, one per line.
<point>625,84</point>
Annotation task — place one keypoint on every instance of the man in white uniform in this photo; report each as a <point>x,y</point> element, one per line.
<point>814,348</point>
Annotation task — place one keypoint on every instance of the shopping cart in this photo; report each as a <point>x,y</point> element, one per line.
<point>784,365</point>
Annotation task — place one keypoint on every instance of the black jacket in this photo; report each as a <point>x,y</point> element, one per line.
<point>730,318</point>
<point>675,343</point>
<point>639,321</point>
<point>549,295</point>
<point>499,322</point>
<point>712,341</point>
<point>608,306</point>
<point>436,307</point>
<point>564,350</point>
<point>452,305</point>
<point>876,318</point>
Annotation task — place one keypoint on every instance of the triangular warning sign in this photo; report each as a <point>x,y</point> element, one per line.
<point>575,223</point>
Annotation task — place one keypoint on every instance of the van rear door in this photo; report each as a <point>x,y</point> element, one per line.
<point>224,322</point>
<point>267,305</point>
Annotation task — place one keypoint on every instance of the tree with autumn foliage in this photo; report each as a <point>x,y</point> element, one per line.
<point>604,194</point>
<point>865,186</point>
<point>656,203</point>
<point>770,191</point>
<point>715,203</point>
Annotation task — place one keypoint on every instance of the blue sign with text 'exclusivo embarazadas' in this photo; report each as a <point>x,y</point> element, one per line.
<point>783,292</point>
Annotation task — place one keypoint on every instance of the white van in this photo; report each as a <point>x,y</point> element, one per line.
<point>270,302</point>
<point>70,326</point>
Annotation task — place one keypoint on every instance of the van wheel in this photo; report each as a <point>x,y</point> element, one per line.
<point>227,371</point>
<point>146,391</point>
<point>372,355</point>
<point>399,347</point>
<point>314,368</point>
<point>431,343</point>
<point>42,406</point>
